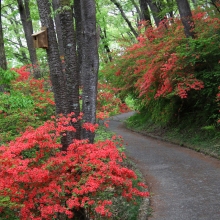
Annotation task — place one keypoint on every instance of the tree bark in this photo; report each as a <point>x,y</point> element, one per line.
<point>155,12</point>
<point>28,30</point>
<point>58,27</point>
<point>186,17</point>
<point>56,74</point>
<point>144,11</point>
<point>3,63</point>
<point>70,59</point>
<point>85,12</point>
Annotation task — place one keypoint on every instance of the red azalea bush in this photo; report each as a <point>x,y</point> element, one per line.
<point>107,100</point>
<point>27,102</point>
<point>38,89</point>
<point>170,75</point>
<point>155,67</point>
<point>40,181</point>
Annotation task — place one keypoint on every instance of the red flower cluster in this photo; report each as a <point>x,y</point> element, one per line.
<point>24,74</point>
<point>42,181</point>
<point>162,64</point>
<point>107,100</point>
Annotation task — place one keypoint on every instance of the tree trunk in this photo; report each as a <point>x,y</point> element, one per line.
<point>56,74</point>
<point>138,10</point>
<point>28,31</point>
<point>103,36</point>
<point>186,17</point>
<point>70,59</point>
<point>58,27</point>
<point>85,12</point>
<point>155,11</point>
<point>3,63</point>
<point>144,10</point>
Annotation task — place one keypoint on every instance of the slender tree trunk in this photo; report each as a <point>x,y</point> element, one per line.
<point>144,11</point>
<point>138,10</point>
<point>3,63</point>
<point>118,5</point>
<point>28,30</point>
<point>103,36</point>
<point>186,17</point>
<point>58,27</point>
<point>155,11</point>
<point>85,12</point>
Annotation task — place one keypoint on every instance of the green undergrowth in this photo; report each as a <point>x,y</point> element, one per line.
<point>185,132</point>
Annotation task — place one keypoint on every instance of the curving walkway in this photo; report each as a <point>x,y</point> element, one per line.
<point>184,184</point>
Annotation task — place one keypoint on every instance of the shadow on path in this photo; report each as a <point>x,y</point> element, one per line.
<point>184,184</point>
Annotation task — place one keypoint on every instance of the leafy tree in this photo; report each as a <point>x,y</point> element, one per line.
<point>24,11</point>
<point>119,6</point>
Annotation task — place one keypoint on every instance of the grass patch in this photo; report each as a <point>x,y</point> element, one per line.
<point>205,139</point>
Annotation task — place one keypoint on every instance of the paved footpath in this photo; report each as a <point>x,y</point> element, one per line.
<point>185,185</point>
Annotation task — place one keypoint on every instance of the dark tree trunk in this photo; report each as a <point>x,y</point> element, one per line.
<point>56,74</point>
<point>144,10</point>
<point>28,31</point>
<point>85,12</point>
<point>155,11</point>
<point>3,63</point>
<point>186,17</point>
<point>58,27</point>
<point>103,36</point>
<point>118,5</point>
<point>70,58</point>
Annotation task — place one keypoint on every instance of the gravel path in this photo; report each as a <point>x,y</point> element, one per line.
<point>184,184</point>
